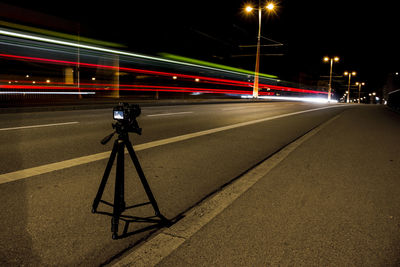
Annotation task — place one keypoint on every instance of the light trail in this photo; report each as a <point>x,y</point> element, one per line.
<point>168,74</point>
<point>133,88</point>
<point>107,50</point>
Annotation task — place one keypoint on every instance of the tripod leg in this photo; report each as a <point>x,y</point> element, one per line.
<point>119,201</point>
<point>105,177</point>
<point>143,180</point>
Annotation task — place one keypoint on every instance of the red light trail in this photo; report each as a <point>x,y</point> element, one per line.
<point>202,79</point>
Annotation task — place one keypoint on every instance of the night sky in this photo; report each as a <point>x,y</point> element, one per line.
<point>363,34</point>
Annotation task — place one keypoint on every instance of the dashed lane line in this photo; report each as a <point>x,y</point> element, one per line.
<point>26,173</point>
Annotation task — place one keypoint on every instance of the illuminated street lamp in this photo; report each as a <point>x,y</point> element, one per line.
<point>359,89</point>
<point>269,7</point>
<point>327,59</point>
<point>346,73</point>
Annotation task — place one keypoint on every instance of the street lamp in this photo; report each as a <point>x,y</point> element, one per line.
<point>347,73</point>
<point>326,59</point>
<point>359,89</point>
<point>269,7</point>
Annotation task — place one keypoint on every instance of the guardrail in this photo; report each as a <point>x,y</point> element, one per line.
<point>393,101</point>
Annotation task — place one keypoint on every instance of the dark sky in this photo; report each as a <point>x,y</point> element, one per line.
<point>363,34</point>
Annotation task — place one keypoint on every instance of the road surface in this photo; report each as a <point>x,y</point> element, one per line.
<point>46,194</point>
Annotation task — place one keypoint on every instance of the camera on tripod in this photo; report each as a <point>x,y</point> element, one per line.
<point>125,114</point>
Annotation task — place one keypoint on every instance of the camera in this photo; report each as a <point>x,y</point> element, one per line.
<point>125,114</point>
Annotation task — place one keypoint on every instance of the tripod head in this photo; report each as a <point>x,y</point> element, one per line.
<point>125,114</point>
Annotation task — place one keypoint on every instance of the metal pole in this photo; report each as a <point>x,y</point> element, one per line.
<point>330,81</point>
<point>359,92</point>
<point>348,90</point>
<point>255,88</point>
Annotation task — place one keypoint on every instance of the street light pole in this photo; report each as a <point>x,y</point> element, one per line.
<point>348,90</point>
<point>326,59</point>
<point>270,8</point>
<point>359,90</point>
<point>255,88</point>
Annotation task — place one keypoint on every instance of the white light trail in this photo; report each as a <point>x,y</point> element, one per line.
<point>107,50</point>
<point>292,98</point>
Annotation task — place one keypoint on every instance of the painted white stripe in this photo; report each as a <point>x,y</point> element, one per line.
<point>38,126</point>
<point>234,108</point>
<point>22,174</point>
<point>169,114</point>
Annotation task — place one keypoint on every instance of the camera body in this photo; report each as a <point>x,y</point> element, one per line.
<point>125,114</point>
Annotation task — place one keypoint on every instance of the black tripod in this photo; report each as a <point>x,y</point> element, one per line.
<point>119,205</point>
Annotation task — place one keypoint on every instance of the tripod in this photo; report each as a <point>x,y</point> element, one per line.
<point>119,205</point>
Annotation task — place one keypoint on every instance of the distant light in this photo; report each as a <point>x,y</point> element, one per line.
<point>354,73</point>
<point>249,9</point>
<point>47,81</point>
<point>27,76</point>
<point>336,59</point>
<point>197,80</point>
<point>377,98</point>
<point>174,77</point>
<point>373,93</point>
<point>93,78</point>
<point>326,59</point>
<point>9,81</point>
<point>397,73</point>
<point>33,82</point>
<point>270,6</point>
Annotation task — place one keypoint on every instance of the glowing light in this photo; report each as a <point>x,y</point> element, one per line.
<point>197,80</point>
<point>326,59</point>
<point>47,81</point>
<point>336,59</point>
<point>249,9</point>
<point>102,49</point>
<point>93,78</point>
<point>174,77</point>
<point>204,79</point>
<point>290,98</point>
<point>210,64</point>
<point>270,6</point>
<point>44,93</point>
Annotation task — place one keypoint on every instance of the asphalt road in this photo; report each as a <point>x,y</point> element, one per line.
<point>46,218</point>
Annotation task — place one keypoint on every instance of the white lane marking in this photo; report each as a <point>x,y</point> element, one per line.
<point>154,250</point>
<point>234,108</point>
<point>22,174</point>
<point>38,126</point>
<point>169,114</point>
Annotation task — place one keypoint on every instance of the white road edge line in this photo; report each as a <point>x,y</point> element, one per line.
<point>38,126</point>
<point>153,251</point>
<point>169,114</point>
<point>26,173</point>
